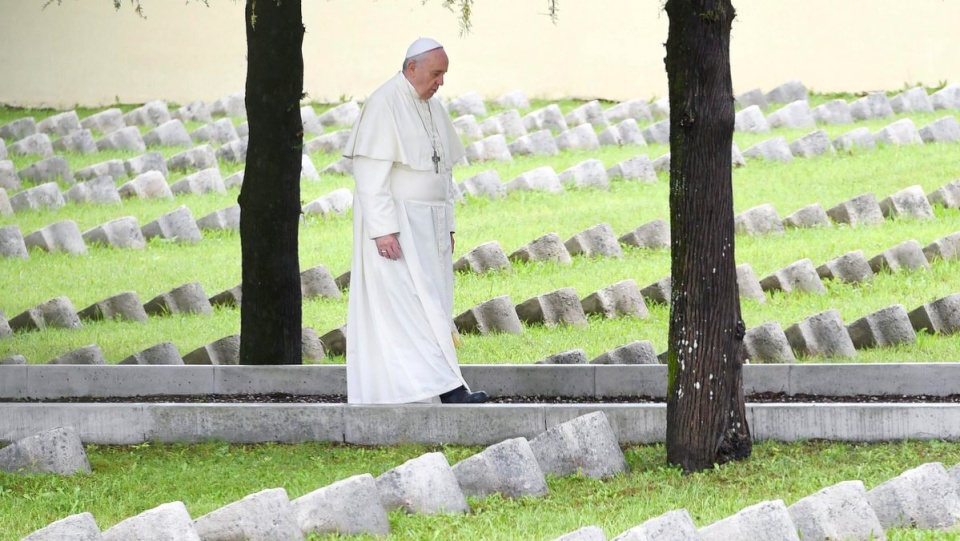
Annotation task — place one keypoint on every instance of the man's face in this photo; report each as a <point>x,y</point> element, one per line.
<point>426,76</point>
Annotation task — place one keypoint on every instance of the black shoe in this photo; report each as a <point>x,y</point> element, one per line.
<point>461,395</point>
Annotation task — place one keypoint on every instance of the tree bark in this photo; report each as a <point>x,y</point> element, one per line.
<point>706,422</point>
<point>271,313</point>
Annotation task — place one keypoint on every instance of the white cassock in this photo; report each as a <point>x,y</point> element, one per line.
<point>400,313</point>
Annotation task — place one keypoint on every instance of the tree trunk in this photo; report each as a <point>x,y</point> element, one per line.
<point>706,421</point>
<point>271,313</point>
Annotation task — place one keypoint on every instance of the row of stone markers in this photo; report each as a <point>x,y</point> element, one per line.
<point>926,497</point>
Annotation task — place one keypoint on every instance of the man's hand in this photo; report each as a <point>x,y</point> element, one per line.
<point>388,246</point>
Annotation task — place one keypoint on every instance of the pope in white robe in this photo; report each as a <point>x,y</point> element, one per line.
<point>400,333</point>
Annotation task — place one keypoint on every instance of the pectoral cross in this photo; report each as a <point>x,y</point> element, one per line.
<point>436,162</point>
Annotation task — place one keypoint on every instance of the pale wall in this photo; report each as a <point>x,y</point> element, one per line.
<point>85,53</point>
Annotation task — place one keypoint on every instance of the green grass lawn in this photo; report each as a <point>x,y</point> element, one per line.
<point>128,480</point>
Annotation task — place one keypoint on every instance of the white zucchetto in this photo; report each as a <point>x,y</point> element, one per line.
<point>421,46</point>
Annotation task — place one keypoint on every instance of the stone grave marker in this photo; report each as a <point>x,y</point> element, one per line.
<point>812,144</point>
<point>126,306</point>
<point>230,297</point>
<point>860,210</point>
<point>128,138</point>
<point>194,159</point>
<point>859,137</point>
<point>573,356</point>
<point>63,236</point>
<point>924,497</point>
<point>225,351</point>
<point>760,220</point>
<point>152,113</point>
<point>794,115</point>
<point>166,521</point>
<point>151,161</point>
<point>11,242</point>
<point>38,144</point>
<point>657,133</point>
<point>914,100</point>
<point>546,248</point>
<point>220,131</point>
<point>748,286</point>
<point>318,282</point>
<point>508,468</point>
<point>335,203</point>
<point>947,97</point>
<point>46,196</point>
<point>171,133</point>
<point>768,520</point>
<point>873,105</point>
<point>188,298</point>
<point>488,256</point>
<point>585,444</point>
<point>909,202</point>
<point>636,352</point>
<point>751,120</point>
<point>941,316</point>
<point>58,450</point>
<point>943,130</point>
<point>947,195</point>
<point>497,315</point>
<point>559,307</point>
<point>234,151</point>
<point>308,171</point>
<point>883,328</point>
<point>86,355</point>
<point>201,182</point>
<point>425,485</point>
<point>674,525</point>
<point>9,179</point>
<point>19,360</point>
<point>538,143</point>
<point>177,225</point>
<point>493,148</point>
<point>335,341</point>
<point>946,248</point>
<point>48,170</point>
<point>637,109</point>
<point>80,142</point>
<point>195,111</point>
<point>106,121</point>
<point>833,112</point>
<point>581,137</point>
<point>513,100</point>
<point>822,334</point>
<point>751,98</point>
<point>658,292</point>
<point>80,527</point>
<point>344,114</point>
<point>18,129</point>
<point>798,276</point>
<point>587,533</point>
<point>120,233</point>
<point>811,215</point>
<point>660,108</point>
<point>309,120</point>
<point>343,166</point>
<point>468,128</point>
<point>486,183</point>
<point>110,168</point>
<point>636,168</point>
<point>311,347</point>
<point>149,185</point>
<point>767,343</point>
<point>233,105</point>
<point>588,113</point>
<point>162,354</point>
<point>840,511</point>
<point>597,241</point>
<point>586,174</point>
<point>901,132</point>
<point>222,219</point>
<point>851,267</point>
<point>622,298</point>
<point>348,507</point>
<point>5,208</point>
<point>546,118</point>
<point>787,92</point>
<point>652,235</point>
<point>907,255</point>
<point>541,179</point>
<point>468,104</point>
<point>100,190</point>
<point>511,125</point>
<point>774,149</point>
<point>263,516</point>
